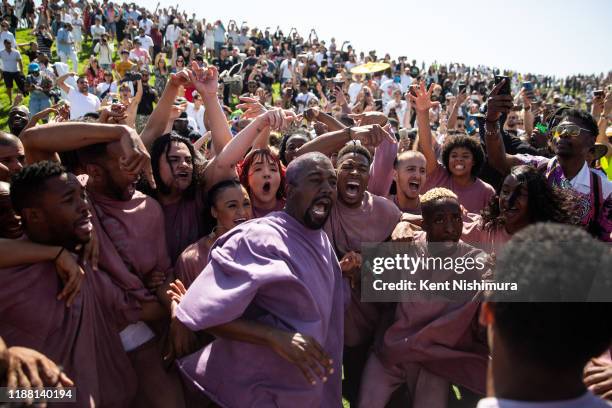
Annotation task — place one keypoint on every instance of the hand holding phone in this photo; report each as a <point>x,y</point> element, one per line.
<point>505,89</point>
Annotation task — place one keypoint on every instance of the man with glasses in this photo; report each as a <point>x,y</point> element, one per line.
<point>573,138</point>
<point>80,100</point>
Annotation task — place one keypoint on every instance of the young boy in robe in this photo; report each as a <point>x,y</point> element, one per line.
<point>431,344</point>
<point>539,349</point>
<point>279,271</point>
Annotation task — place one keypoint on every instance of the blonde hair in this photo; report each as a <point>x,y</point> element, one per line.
<point>437,193</point>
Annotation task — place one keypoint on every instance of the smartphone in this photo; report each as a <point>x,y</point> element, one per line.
<point>505,90</point>
<point>528,86</point>
<point>598,93</point>
<point>462,86</point>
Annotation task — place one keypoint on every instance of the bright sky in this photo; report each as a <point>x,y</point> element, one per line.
<point>555,37</point>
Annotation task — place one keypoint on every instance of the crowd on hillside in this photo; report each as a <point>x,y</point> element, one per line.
<point>184,218</point>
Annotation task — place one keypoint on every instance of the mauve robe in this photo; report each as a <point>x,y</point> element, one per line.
<point>83,339</point>
<point>184,223</point>
<point>474,197</point>
<point>136,229</point>
<point>488,239</point>
<point>291,276</point>
<point>262,212</point>
<point>347,228</point>
<point>192,261</point>
<point>443,337</point>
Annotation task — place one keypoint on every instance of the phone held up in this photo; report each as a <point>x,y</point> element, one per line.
<point>505,89</point>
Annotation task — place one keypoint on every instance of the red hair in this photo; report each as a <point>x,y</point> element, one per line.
<point>245,165</point>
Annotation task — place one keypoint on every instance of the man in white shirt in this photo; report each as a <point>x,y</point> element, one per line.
<point>145,41</point>
<point>80,100</point>
<point>146,24</point>
<point>542,334</point>
<point>173,32</point>
<point>96,31</point>
<point>303,98</point>
<point>195,111</point>
<point>12,69</point>
<point>5,34</point>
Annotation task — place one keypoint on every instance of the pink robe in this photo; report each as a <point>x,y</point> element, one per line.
<point>184,223</point>
<point>347,228</point>
<point>281,274</point>
<point>474,197</point>
<point>442,337</point>
<point>83,339</point>
<point>489,240</point>
<point>192,261</point>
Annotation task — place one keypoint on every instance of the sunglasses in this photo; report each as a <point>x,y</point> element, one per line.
<point>570,130</point>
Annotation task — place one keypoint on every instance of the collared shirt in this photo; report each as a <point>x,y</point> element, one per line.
<point>581,186</point>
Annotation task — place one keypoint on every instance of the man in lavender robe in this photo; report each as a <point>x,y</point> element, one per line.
<point>279,271</point>
<point>83,338</point>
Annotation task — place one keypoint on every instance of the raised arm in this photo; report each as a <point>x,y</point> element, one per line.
<point>423,103</point>
<point>206,82</point>
<point>331,142</point>
<point>452,119</point>
<point>496,151</point>
<point>138,97</point>
<point>223,164</point>
<point>332,124</point>
<point>159,117</point>
<point>62,84</point>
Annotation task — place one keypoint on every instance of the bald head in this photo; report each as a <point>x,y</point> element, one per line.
<point>302,164</point>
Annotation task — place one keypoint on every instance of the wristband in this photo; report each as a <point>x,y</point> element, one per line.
<point>58,254</point>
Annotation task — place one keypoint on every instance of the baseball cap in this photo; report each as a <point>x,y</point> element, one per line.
<point>33,67</point>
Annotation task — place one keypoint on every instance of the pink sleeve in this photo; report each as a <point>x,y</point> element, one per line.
<point>381,171</point>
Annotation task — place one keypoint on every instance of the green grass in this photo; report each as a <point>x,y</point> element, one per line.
<point>24,36</point>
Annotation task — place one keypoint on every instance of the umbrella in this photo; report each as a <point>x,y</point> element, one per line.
<point>370,68</point>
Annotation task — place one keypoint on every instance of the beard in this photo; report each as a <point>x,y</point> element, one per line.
<point>310,223</point>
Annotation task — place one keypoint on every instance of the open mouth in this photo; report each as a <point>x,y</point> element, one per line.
<point>321,207</point>
<point>414,186</point>
<point>266,187</point>
<point>182,175</point>
<point>352,189</point>
<point>84,224</point>
<point>240,220</point>
<point>459,167</point>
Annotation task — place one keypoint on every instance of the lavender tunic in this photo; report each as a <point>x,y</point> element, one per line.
<point>291,276</point>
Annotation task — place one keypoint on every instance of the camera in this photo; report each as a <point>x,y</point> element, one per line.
<point>131,77</point>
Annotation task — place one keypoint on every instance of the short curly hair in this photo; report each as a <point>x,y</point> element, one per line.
<point>28,184</point>
<point>468,142</point>
<point>354,148</point>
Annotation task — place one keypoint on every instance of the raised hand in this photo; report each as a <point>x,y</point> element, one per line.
<point>370,118</point>
<point>135,158</point>
<point>277,119</point>
<point>371,135</point>
<point>204,80</point>
<point>251,107</point>
<point>177,291</point>
<point>350,264</point>
<point>422,100</point>
<point>181,78</point>
<point>311,114</point>
<point>498,104</point>
<point>303,351</point>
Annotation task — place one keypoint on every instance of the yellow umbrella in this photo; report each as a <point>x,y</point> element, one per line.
<point>370,68</point>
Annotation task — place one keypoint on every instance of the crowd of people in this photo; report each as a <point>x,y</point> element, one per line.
<point>182,221</point>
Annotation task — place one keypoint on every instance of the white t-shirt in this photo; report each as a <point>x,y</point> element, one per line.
<point>9,60</point>
<point>588,400</point>
<point>7,35</point>
<point>286,71</point>
<point>147,25</point>
<point>146,42</point>
<point>302,100</point>
<point>197,116</point>
<point>353,91</point>
<point>173,32</point>
<point>96,32</point>
<point>81,104</point>
<point>104,86</point>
